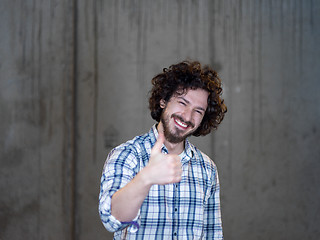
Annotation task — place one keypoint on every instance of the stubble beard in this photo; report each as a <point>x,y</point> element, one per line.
<point>177,136</point>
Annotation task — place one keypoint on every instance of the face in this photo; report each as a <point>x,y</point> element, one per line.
<point>182,114</point>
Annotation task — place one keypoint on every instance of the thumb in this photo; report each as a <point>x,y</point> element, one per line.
<point>159,143</point>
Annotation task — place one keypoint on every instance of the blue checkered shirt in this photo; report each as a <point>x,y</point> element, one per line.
<point>189,209</point>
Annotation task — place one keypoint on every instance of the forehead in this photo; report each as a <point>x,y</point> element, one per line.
<point>196,97</point>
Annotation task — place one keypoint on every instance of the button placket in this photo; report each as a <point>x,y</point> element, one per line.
<point>175,211</point>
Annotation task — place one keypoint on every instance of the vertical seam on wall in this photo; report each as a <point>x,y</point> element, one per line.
<point>74,122</point>
<point>95,103</point>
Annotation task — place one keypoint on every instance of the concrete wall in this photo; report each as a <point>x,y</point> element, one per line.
<point>36,130</point>
<point>75,77</point>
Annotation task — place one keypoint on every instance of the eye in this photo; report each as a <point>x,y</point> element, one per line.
<point>182,103</point>
<point>199,112</point>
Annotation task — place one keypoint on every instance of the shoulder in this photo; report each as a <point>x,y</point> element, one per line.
<point>208,161</point>
<point>203,159</point>
<point>130,150</point>
<point>200,156</point>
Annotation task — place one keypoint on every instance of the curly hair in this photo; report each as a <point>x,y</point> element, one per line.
<point>177,79</point>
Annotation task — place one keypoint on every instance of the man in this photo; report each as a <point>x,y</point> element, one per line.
<point>158,185</point>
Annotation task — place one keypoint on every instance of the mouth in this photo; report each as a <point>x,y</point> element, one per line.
<point>181,123</point>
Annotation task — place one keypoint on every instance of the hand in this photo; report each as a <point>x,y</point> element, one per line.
<point>163,168</point>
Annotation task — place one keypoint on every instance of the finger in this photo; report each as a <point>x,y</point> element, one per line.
<point>159,143</point>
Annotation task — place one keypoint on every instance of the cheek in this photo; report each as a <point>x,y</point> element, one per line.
<point>198,120</point>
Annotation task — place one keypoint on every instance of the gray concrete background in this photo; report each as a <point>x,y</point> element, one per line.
<point>74,82</point>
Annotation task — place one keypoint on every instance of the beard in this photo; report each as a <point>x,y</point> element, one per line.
<point>177,135</point>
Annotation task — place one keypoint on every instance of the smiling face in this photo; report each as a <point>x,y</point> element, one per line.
<point>182,114</point>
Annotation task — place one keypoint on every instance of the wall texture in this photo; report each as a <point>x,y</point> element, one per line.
<point>74,82</point>
<point>36,108</point>
<point>268,146</point>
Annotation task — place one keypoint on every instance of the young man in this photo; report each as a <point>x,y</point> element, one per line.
<point>158,185</point>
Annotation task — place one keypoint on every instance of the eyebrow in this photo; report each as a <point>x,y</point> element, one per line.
<point>188,102</point>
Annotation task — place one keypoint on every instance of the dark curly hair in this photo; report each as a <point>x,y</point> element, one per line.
<point>177,79</point>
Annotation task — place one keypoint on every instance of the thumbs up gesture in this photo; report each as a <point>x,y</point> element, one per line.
<point>163,168</point>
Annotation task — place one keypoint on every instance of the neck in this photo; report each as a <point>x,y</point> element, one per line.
<point>173,148</point>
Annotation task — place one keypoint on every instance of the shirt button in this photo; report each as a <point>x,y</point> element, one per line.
<point>176,209</point>
<point>175,234</point>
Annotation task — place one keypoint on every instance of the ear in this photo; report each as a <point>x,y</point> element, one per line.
<point>162,103</point>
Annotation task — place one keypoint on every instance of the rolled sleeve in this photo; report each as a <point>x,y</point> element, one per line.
<point>111,223</point>
<point>119,169</point>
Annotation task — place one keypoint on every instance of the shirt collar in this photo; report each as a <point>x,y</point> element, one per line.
<point>186,155</point>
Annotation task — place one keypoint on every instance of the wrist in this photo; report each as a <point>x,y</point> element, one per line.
<point>145,177</point>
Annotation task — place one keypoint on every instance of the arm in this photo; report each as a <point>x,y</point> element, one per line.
<point>126,202</point>
<point>122,190</point>
<point>161,169</point>
<point>119,169</point>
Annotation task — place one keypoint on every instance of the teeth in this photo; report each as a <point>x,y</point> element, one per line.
<point>181,124</point>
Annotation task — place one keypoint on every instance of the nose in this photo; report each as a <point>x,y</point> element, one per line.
<point>187,115</point>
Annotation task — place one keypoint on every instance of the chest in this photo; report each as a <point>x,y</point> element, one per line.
<point>192,191</point>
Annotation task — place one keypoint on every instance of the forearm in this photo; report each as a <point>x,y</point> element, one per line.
<point>127,201</point>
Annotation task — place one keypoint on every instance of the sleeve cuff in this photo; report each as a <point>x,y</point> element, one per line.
<point>111,223</point>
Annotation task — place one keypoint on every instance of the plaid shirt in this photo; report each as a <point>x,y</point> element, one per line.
<point>189,209</point>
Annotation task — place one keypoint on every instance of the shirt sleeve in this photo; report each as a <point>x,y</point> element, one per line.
<point>119,169</point>
<point>212,212</point>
